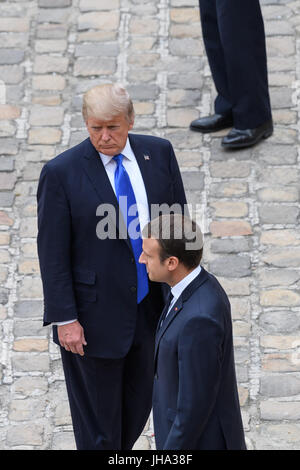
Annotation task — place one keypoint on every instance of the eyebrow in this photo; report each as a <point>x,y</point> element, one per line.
<point>97,126</point>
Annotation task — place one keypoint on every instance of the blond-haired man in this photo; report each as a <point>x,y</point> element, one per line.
<point>98,297</point>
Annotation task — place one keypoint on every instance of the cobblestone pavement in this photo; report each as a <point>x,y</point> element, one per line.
<point>51,51</point>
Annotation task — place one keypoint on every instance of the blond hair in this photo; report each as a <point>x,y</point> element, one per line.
<point>106,102</point>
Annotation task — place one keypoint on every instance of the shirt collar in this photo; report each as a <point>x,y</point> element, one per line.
<point>127,152</point>
<point>181,285</point>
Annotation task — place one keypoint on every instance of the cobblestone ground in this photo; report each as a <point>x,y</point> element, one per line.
<point>51,52</point>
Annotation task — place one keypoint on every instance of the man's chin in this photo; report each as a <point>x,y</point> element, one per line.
<point>154,278</point>
<point>111,151</point>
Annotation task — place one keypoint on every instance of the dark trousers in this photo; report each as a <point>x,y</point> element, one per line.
<point>110,399</point>
<point>234,39</point>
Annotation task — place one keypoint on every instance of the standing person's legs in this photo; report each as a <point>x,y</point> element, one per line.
<point>222,118</point>
<point>138,379</point>
<point>242,36</point>
<point>94,389</point>
<point>215,55</point>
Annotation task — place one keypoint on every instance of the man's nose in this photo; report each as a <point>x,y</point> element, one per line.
<point>141,258</point>
<point>105,134</point>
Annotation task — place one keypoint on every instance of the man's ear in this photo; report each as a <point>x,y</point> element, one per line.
<point>131,124</point>
<point>173,262</point>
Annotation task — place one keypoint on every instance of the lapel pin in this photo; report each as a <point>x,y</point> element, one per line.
<point>146,157</point>
<point>176,308</point>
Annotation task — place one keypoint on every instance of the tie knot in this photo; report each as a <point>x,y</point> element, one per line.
<point>170,298</point>
<point>118,158</point>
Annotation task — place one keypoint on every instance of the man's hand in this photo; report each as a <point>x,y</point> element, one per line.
<point>71,337</point>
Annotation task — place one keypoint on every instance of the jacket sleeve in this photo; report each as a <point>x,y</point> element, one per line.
<point>199,363</point>
<point>54,248</point>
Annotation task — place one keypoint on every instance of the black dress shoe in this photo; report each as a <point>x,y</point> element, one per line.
<point>213,123</point>
<point>240,138</point>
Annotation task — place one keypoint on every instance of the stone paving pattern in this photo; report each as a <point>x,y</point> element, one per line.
<point>51,51</point>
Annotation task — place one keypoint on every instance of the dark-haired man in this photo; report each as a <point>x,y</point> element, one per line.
<point>195,399</point>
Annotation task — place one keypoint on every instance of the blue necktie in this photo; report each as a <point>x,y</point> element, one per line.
<point>124,188</point>
<point>166,308</point>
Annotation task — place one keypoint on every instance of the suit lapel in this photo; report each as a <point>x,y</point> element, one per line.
<point>97,175</point>
<point>178,306</point>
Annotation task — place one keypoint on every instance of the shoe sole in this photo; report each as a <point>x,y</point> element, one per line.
<point>209,131</point>
<point>266,135</point>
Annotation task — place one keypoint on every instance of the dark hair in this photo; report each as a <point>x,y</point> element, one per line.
<point>177,236</point>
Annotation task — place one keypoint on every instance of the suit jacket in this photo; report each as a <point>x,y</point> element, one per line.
<point>84,277</point>
<point>195,399</point>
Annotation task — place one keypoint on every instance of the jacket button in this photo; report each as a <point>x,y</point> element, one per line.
<point>132,260</point>
<point>133,289</point>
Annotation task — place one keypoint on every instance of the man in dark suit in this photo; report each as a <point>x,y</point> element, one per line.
<point>96,294</point>
<point>234,39</point>
<point>195,398</point>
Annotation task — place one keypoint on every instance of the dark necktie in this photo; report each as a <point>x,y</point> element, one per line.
<point>124,188</point>
<point>166,308</point>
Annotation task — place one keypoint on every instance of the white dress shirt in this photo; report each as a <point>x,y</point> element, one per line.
<point>181,285</point>
<point>131,166</point>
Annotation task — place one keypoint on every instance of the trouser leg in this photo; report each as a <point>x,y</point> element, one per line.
<point>237,51</point>
<point>242,34</point>
<point>138,381</point>
<point>94,389</point>
<point>215,55</point>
